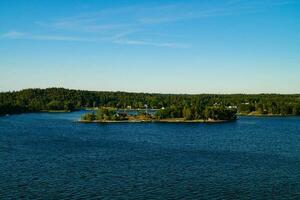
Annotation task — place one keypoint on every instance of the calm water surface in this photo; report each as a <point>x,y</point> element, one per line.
<point>49,156</point>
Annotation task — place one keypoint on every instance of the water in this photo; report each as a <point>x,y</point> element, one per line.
<point>49,156</point>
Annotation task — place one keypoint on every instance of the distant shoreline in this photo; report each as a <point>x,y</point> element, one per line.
<point>55,111</point>
<point>215,106</point>
<point>37,112</point>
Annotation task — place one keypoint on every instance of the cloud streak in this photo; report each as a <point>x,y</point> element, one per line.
<point>138,22</point>
<point>139,16</point>
<point>184,12</point>
<point>148,43</point>
<point>116,40</point>
<point>21,35</point>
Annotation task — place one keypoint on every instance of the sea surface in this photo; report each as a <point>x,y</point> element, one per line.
<point>50,156</point>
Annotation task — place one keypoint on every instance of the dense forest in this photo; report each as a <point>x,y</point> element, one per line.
<point>189,106</point>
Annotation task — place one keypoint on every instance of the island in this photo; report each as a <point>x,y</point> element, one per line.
<point>211,114</point>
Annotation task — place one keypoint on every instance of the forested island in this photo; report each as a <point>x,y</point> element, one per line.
<point>209,114</point>
<point>169,106</point>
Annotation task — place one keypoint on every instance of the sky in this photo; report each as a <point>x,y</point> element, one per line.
<point>188,46</point>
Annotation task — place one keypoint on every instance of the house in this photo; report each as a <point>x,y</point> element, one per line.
<point>121,114</point>
<point>232,107</point>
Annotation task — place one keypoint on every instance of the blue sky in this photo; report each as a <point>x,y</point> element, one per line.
<point>200,46</point>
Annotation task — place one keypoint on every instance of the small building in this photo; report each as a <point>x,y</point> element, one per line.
<point>121,114</point>
<point>232,107</point>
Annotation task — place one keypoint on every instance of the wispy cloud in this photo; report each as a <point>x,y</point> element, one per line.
<point>184,12</point>
<point>116,40</point>
<point>134,25</point>
<point>148,43</point>
<point>138,16</point>
<point>13,35</point>
<point>21,35</point>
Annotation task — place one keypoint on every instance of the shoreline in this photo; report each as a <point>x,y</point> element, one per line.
<point>37,112</point>
<point>265,115</point>
<point>156,121</point>
<point>70,111</point>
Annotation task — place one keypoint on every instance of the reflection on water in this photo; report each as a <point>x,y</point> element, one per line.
<point>50,156</point>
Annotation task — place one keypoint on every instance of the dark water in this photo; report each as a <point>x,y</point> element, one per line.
<point>48,156</point>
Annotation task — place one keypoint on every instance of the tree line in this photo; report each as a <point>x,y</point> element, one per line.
<point>188,106</point>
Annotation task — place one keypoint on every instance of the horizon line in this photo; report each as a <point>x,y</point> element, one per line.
<point>162,93</point>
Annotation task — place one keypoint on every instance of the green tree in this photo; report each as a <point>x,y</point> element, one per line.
<point>55,105</point>
<point>89,117</point>
<point>187,113</point>
<point>296,109</point>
